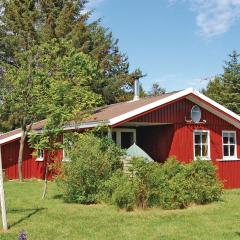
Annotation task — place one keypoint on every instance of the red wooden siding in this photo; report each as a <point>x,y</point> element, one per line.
<point>31,168</point>
<point>176,138</point>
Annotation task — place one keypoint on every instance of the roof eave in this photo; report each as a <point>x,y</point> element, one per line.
<point>85,125</point>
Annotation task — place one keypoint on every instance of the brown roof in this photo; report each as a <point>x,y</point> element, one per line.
<point>35,126</point>
<point>101,114</point>
<point>117,109</point>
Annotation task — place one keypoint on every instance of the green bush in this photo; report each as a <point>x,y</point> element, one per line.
<point>120,190</point>
<point>146,175</point>
<point>184,184</point>
<point>95,174</point>
<point>171,185</point>
<point>92,161</point>
<point>205,186</point>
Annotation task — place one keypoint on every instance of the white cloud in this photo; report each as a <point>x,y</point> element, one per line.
<point>214,17</point>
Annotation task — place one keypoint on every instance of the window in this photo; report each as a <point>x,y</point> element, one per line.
<point>124,137</point>
<point>196,114</point>
<point>40,155</point>
<point>201,144</point>
<point>229,144</point>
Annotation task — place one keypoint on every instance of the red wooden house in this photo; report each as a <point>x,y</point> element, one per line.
<point>185,124</point>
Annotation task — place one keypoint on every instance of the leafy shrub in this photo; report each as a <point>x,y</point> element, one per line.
<point>92,161</point>
<point>120,190</point>
<point>146,175</point>
<point>183,184</point>
<point>205,186</point>
<point>171,185</point>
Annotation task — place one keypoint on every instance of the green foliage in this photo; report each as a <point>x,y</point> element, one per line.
<point>171,185</point>
<point>184,184</point>
<point>33,23</point>
<point>146,175</point>
<point>123,191</point>
<point>92,161</point>
<point>205,187</point>
<point>225,89</point>
<point>156,90</point>
<point>49,85</point>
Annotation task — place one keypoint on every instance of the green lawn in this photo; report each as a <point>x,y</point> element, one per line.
<point>53,219</point>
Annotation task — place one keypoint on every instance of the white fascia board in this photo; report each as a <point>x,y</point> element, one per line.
<point>11,138</point>
<point>235,120</point>
<point>210,108</point>
<point>217,105</point>
<point>150,106</point>
<point>86,125</point>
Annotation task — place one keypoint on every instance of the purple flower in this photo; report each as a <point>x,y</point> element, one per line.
<point>22,235</point>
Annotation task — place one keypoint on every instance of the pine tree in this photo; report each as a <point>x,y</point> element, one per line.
<point>225,89</point>
<point>231,80</point>
<point>31,22</point>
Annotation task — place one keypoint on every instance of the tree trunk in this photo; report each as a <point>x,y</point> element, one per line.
<point>46,177</point>
<point>20,155</point>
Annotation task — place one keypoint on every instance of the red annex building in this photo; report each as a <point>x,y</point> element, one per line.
<point>185,124</point>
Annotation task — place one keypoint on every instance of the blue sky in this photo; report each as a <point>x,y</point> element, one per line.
<point>178,43</point>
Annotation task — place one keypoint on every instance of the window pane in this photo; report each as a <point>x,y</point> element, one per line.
<point>225,138</point>
<point>40,153</point>
<point>232,138</point>
<point>204,137</point>
<point>225,151</point>
<point>197,151</point>
<point>197,138</point>
<point>232,150</point>
<point>204,151</point>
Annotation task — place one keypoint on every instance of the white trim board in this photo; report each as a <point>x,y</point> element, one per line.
<point>148,107</point>
<point>9,139</point>
<point>176,96</point>
<point>211,109</point>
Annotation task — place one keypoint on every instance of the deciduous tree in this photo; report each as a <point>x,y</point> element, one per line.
<point>52,81</point>
<point>68,97</point>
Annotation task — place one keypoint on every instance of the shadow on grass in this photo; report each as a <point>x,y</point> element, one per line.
<point>237,233</point>
<point>29,212</point>
<point>58,196</point>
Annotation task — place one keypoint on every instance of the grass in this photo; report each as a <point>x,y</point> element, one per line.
<point>53,219</point>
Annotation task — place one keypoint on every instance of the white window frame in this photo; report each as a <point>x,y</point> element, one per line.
<point>235,144</point>
<point>208,157</point>
<point>119,131</point>
<point>40,157</point>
